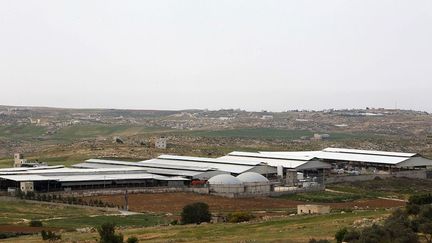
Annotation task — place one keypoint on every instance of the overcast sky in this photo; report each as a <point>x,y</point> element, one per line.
<point>254,55</point>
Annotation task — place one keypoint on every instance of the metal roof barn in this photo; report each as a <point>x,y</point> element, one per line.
<point>287,162</point>
<point>383,158</point>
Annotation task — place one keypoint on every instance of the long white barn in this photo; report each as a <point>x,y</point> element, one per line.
<point>366,157</point>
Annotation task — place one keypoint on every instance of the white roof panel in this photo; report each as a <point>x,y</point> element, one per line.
<point>290,164</point>
<point>369,152</point>
<point>145,164</point>
<point>270,156</point>
<point>377,159</point>
<point>292,154</point>
<point>232,168</point>
<point>208,160</point>
<point>20,178</point>
<point>30,168</point>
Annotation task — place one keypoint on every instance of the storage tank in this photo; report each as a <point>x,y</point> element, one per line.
<point>255,183</point>
<point>225,183</point>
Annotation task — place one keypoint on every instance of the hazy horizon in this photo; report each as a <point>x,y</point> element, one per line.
<point>251,55</point>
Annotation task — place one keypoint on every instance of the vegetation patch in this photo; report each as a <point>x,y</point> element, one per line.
<point>391,187</point>
<point>323,197</point>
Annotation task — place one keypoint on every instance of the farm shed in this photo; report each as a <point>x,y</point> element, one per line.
<point>313,209</point>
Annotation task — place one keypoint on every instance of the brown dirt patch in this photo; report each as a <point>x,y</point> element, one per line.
<point>174,202</point>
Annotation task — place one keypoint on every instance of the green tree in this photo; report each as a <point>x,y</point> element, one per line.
<point>340,234</point>
<point>132,239</point>
<point>50,236</point>
<point>35,223</point>
<point>195,213</point>
<point>107,234</point>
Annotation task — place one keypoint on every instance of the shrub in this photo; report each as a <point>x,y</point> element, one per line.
<point>351,235</point>
<point>35,223</point>
<point>107,234</point>
<point>420,199</point>
<point>195,213</point>
<point>132,239</point>
<point>238,217</point>
<point>340,234</point>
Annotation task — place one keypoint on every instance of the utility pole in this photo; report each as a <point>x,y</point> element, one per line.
<point>126,201</point>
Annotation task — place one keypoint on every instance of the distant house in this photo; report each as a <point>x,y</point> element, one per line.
<point>313,209</point>
<point>20,161</point>
<point>267,117</point>
<point>161,143</point>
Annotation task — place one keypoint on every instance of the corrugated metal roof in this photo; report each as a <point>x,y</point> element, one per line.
<point>369,152</point>
<point>377,159</point>
<point>21,178</point>
<point>146,168</point>
<point>135,176</point>
<point>269,156</point>
<point>60,171</point>
<point>345,156</point>
<point>208,160</point>
<point>232,168</point>
<point>30,168</point>
<point>91,177</point>
<point>286,163</point>
<point>98,166</point>
<point>292,154</point>
<point>144,164</point>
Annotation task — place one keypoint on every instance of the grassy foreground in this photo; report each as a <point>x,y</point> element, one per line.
<point>289,229</point>
<point>70,217</point>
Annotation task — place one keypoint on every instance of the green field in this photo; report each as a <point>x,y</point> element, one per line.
<point>392,187</point>
<point>70,217</point>
<point>95,131</point>
<point>324,197</point>
<point>21,132</point>
<point>272,133</point>
<point>288,229</point>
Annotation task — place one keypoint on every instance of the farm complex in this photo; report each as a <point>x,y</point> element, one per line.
<point>238,174</point>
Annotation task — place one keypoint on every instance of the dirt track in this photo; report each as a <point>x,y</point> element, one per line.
<point>174,202</point>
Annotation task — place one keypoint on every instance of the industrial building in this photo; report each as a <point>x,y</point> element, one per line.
<point>290,168</point>
<point>190,167</point>
<point>238,173</point>
<point>362,161</point>
<point>59,178</point>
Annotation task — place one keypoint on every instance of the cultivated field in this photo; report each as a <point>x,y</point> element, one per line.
<point>174,202</point>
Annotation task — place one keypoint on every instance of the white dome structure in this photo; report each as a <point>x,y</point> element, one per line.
<point>252,177</point>
<point>225,184</point>
<point>224,179</point>
<point>255,184</point>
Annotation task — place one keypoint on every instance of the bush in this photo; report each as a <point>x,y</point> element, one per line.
<point>351,235</point>
<point>107,234</point>
<point>132,239</point>
<point>420,199</point>
<point>238,217</point>
<point>35,223</point>
<point>396,228</point>
<point>340,234</point>
<point>195,213</point>
<point>49,235</point>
